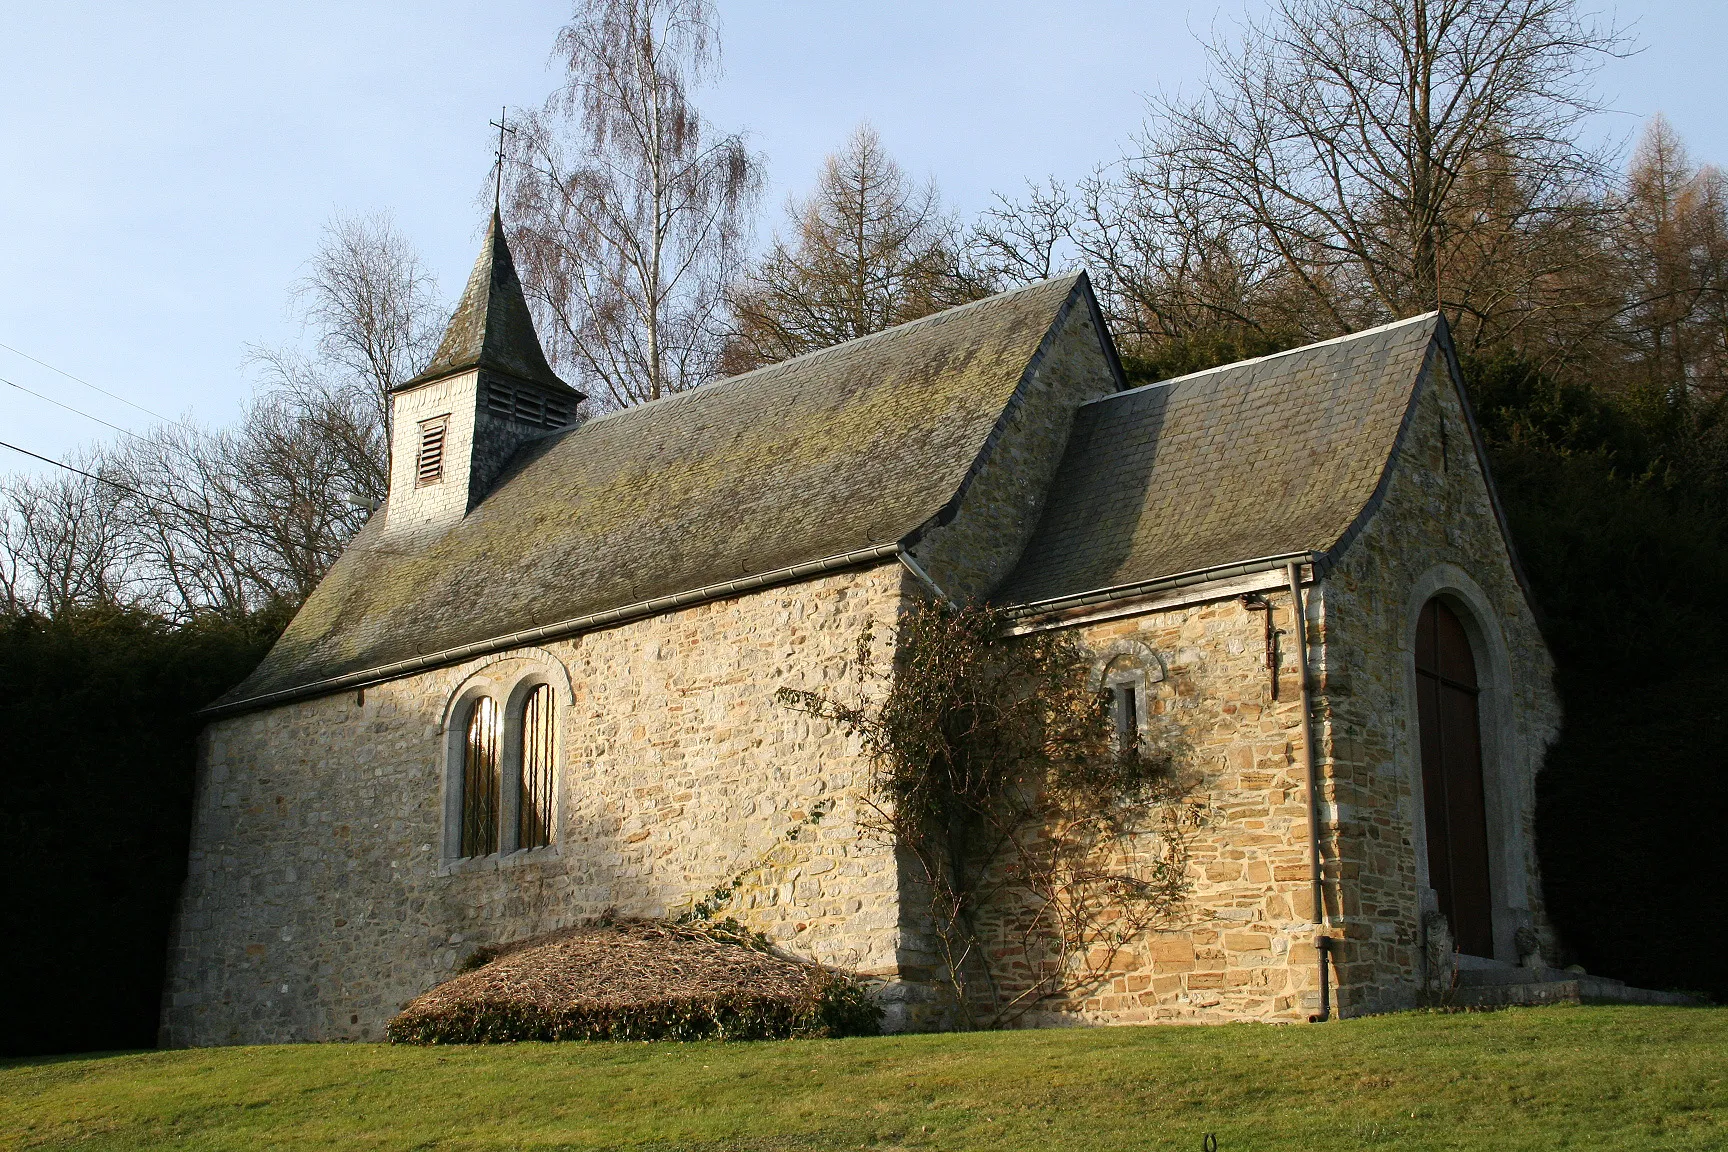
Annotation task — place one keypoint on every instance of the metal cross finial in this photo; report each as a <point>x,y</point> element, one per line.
<point>498,183</point>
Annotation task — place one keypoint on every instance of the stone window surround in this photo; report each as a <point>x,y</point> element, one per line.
<point>1508,878</point>
<point>507,678</point>
<point>1135,664</point>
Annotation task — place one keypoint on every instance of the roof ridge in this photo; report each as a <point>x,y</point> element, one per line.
<point>856,342</point>
<point>1348,336</point>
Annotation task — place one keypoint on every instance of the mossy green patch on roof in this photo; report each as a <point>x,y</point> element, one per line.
<point>1268,457</point>
<point>832,453</point>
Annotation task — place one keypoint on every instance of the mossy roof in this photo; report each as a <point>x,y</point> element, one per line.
<point>821,456</point>
<point>1263,458</point>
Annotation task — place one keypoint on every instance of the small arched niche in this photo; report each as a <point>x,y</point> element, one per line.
<point>1125,673</point>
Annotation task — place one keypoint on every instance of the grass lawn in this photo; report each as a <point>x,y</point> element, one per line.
<point>1584,1078</point>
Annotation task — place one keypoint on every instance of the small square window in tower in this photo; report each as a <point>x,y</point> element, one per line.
<point>429,461</point>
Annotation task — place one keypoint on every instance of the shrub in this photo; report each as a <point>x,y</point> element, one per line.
<point>637,980</point>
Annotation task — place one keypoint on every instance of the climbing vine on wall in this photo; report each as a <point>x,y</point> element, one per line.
<point>1043,847</point>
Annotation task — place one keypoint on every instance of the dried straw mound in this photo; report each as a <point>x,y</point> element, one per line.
<point>636,980</point>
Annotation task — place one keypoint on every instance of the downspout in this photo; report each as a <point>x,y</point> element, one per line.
<point>1320,917</point>
<point>917,569</point>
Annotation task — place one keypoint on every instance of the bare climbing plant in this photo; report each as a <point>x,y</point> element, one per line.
<point>1045,849</point>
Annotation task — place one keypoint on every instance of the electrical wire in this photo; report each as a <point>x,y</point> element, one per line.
<point>69,408</point>
<point>220,521</point>
<point>87,384</point>
<point>79,471</point>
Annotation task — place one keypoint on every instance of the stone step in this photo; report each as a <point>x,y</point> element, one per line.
<point>1507,995</point>
<point>1511,974</point>
<point>1570,990</point>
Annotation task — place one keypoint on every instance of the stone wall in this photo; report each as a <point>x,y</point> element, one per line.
<point>1433,534</point>
<point>320,900</point>
<point>972,554</point>
<point>1242,947</point>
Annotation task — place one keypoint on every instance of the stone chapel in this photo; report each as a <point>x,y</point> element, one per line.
<point>539,683</point>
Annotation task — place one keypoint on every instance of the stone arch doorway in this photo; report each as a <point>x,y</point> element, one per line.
<point>1453,794</point>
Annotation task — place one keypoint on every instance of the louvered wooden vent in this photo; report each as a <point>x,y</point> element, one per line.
<point>429,464</point>
<point>526,405</point>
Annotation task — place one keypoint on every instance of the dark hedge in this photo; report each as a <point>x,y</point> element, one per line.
<point>1619,509</point>
<point>98,732</point>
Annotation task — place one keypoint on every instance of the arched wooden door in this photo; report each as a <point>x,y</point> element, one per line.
<point>1452,792</point>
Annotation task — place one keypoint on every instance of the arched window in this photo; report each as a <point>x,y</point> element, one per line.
<point>480,780</point>
<point>1125,681</point>
<point>534,807</point>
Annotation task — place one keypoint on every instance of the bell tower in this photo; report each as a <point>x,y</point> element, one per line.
<point>487,391</point>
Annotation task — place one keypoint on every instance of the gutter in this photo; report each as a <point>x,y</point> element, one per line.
<point>1163,584</point>
<point>924,578</point>
<point>1311,770</point>
<point>558,630</point>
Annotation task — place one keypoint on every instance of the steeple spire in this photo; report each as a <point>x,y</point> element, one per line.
<point>492,328</point>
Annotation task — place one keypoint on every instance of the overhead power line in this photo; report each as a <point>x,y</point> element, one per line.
<point>87,384</point>
<point>86,475</point>
<point>69,408</point>
<point>223,521</point>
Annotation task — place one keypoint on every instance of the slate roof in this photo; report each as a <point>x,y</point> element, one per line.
<point>828,454</point>
<point>491,327</point>
<point>1258,459</point>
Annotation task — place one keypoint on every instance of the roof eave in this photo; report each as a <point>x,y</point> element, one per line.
<point>481,365</point>
<point>366,677</point>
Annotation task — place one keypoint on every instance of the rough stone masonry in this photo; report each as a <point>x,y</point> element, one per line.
<point>662,571</point>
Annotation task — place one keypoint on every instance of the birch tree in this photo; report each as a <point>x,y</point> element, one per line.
<point>629,212</point>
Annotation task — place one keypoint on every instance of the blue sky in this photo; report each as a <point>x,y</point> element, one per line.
<point>167,166</point>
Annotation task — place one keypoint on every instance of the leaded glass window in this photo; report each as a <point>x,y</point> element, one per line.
<point>534,812</point>
<point>480,780</point>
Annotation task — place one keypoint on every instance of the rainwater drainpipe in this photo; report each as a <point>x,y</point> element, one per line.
<point>1322,943</point>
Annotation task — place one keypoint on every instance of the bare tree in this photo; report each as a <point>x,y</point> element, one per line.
<point>868,249</point>
<point>1351,134</point>
<point>1018,242</point>
<point>375,317</point>
<point>67,540</point>
<point>1353,161</point>
<point>14,592</point>
<point>1182,286</point>
<point>629,214</point>
<point>373,305</point>
<point>233,520</point>
<point>186,519</point>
